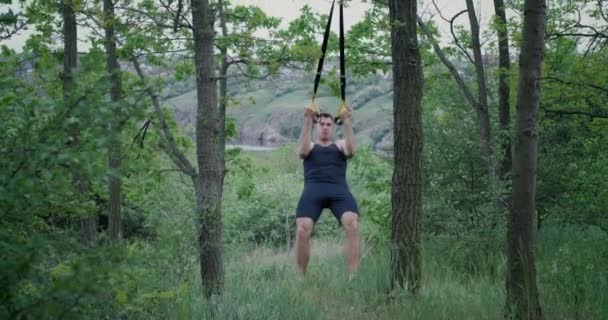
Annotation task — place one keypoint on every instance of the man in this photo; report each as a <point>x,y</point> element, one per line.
<point>325,185</point>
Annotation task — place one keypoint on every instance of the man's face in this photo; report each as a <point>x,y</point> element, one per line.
<point>325,128</point>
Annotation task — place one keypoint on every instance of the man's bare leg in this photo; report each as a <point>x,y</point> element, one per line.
<point>350,222</point>
<point>304,228</point>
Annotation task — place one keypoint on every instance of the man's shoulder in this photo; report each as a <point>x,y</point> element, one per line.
<point>340,144</point>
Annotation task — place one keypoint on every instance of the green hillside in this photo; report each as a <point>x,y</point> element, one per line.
<point>273,108</point>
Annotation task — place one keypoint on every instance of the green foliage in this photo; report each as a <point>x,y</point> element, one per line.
<point>45,275</point>
<point>302,35</point>
<point>154,274</point>
<point>456,186</point>
<point>371,182</point>
<point>572,165</point>
<point>261,197</point>
<point>571,271</point>
<point>371,32</point>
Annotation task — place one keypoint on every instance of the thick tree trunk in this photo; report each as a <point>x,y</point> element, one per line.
<point>522,292</point>
<point>208,182</point>
<point>504,90</point>
<point>407,176</point>
<point>88,225</point>
<point>113,68</point>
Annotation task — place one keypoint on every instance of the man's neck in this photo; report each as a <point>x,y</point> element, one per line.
<point>324,143</point>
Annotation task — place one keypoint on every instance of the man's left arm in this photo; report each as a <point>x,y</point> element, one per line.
<point>348,145</point>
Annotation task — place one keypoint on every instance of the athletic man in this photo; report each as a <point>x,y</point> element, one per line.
<point>325,185</point>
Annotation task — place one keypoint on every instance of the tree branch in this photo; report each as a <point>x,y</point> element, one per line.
<point>467,93</point>
<point>439,11</point>
<point>466,53</point>
<point>20,25</point>
<point>176,15</point>
<point>601,9</point>
<point>590,85</point>
<point>176,155</point>
<point>176,24</point>
<point>575,112</point>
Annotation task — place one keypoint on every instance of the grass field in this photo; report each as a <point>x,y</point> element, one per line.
<point>262,284</point>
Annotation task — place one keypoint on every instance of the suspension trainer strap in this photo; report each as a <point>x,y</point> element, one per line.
<point>323,51</point>
<point>342,68</point>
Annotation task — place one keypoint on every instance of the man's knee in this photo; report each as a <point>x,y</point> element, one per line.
<point>304,227</point>
<point>350,221</point>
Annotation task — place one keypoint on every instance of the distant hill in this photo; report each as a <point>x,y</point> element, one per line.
<point>269,112</point>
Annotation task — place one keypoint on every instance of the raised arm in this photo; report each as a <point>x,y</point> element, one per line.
<point>305,143</point>
<point>348,145</point>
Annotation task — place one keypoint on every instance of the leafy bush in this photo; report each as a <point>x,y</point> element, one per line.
<point>261,198</point>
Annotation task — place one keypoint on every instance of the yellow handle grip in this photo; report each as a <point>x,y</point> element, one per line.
<point>314,106</point>
<point>338,118</point>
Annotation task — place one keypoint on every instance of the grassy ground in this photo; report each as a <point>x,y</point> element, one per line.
<point>463,275</point>
<point>262,284</point>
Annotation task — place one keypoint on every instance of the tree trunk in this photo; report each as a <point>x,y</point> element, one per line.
<point>70,49</point>
<point>208,182</point>
<point>504,90</point>
<point>482,91</point>
<point>522,292</point>
<point>480,105</point>
<point>88,225</point>
<point>407,176</point>
<point>482,112</point>
<point>223,93</point>
<point>113,68</point>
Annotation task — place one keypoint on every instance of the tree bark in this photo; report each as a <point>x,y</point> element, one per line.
<point>522,293</point>
<point>407,185</point>
<point>483,114</point>
<point>482,91</point>
<point>223,93</point>
<point>88,225</point>
<point>207,184</point>
<point>114,159</point>
<point>504,89</point>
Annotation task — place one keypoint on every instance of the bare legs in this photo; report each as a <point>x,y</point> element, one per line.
<point>350,222</point>
<point>303,231</point>
<point>304,227</point>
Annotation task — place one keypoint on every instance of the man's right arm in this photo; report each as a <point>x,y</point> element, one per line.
<point>304,142</point>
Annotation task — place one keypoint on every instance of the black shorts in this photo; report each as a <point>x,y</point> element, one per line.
<point>318,196</point>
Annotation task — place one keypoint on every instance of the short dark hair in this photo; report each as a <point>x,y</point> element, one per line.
<point>326,115</point>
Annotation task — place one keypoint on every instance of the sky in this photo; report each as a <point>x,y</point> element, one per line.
<point>289,9</point>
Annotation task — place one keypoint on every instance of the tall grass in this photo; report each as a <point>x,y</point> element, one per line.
<point>262,284</point>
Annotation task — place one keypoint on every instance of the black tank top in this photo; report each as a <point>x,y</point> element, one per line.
<point>325,165</point>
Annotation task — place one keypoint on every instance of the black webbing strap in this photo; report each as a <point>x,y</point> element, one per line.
<point>342,63</point>
<point>322,58</point>
<point>342,68</point>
